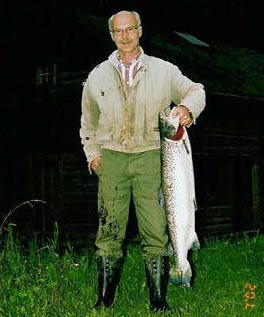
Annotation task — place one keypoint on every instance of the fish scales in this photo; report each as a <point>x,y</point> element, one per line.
<point>178,195</point>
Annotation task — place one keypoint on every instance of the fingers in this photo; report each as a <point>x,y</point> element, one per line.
<point>185,120</point>
<point>181,111</point>
<point>95,163</point>
<point>184,115</point>
<point>175,112</point>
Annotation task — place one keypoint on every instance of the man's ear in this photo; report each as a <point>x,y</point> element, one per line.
<point>112,37</point>
<point>140,31</point>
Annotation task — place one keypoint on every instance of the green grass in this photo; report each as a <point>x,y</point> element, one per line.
<point>36,281</point>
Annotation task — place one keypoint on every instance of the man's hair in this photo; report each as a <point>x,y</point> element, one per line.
<point>137,16</point>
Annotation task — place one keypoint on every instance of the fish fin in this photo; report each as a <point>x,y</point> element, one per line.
<point>186,147</point>
<point>170,251</point>
<point>161,198</point>
<point>196,245</point>
<point>195,204</point>
<point>195,242</point>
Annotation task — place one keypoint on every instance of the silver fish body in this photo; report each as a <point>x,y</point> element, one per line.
<point>178,189</point>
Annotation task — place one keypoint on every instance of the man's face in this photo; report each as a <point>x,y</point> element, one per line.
<point>126,33</point>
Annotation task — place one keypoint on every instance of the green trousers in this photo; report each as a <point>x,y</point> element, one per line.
<point>120,176</point>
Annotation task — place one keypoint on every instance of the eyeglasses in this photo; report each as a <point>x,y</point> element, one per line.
<point>129,30</point>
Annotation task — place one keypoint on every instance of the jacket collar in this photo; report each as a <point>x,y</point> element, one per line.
<point>114,59</point>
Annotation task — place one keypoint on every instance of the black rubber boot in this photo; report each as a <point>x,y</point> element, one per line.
<point>157,272</point>
<point>109,271</point>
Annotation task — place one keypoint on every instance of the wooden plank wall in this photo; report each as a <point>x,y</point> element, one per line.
<point>70,193</point>
<point>228,163</point>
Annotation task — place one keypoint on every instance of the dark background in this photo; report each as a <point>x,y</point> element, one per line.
<point>41,32</point>
<point>39,126</point>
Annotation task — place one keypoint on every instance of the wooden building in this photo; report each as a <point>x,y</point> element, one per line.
<point>45,161</point>
<point>42,157</point>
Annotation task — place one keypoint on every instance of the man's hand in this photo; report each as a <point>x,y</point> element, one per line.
<point>184,114</point>
<point>95,163</point>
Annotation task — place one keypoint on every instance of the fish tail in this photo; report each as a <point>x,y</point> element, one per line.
<point>180,277</point>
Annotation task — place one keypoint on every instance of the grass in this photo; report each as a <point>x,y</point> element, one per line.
<point>37,281</point>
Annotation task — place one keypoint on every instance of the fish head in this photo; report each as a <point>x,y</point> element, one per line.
<point>169,127</point>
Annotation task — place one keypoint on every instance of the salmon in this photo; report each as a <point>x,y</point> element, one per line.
<point>178,191</point>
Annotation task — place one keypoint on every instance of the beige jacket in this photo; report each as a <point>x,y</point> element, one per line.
<point>126,119</point>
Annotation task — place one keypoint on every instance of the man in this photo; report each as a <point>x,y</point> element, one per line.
<point>121,101</point>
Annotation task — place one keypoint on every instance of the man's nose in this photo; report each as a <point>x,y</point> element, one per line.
<point>124,33</point>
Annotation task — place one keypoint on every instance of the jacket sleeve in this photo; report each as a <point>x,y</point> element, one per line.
<point>187,93</point>
<point>89,122</point>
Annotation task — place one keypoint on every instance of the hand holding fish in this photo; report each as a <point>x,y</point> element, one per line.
<point>185,116</point>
